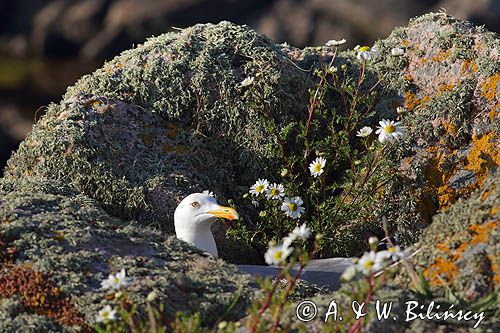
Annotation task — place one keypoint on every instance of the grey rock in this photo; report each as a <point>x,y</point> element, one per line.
<point>461,179</point>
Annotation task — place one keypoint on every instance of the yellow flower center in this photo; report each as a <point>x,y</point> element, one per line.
<point>278,255</point>
<point>369,264</point>
<point>293,207</point>
<point>392,249</point>
<point>364,49</point>
<point>116,280</point>
<point>259,188</point>
<point>390,128</point>
<point>275,191</point>
<point>317,167</point>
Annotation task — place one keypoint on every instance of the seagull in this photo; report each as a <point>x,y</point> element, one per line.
<point>194,216</point>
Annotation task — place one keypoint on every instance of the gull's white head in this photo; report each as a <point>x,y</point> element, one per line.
<point>193,218</point>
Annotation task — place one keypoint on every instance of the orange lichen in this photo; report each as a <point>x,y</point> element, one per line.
<point>481,232</point>
<point>496,274</point>
<point>408,78</point>
<point>112,68</point>
<point>469,66</point>
<point>489,88</point>
<point>494,111</point>
<point>446,87</point>
<point>444,270</point>
<point>441,272</point>
<point>412,101</point>
<point>438,178</point>
<point>441,56</point>
<point>483,156</point>
<point>450,128</point>
<point>40,295</point>
<point>405,42</point>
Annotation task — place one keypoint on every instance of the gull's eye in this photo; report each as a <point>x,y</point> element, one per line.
<point>195,204</point>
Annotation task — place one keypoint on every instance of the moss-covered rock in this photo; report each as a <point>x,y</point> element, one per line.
<point>166,119</point>
<point>61,246</point>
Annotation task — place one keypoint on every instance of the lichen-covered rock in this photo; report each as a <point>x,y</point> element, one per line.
<point>460,250</point>
<point>165,119</point>
<point>447,79</point>
<point>57,245</point>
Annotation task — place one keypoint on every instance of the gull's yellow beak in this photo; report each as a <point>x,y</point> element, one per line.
<point>225,213</point>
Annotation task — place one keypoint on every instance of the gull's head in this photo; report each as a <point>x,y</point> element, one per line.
<point>194,216</point>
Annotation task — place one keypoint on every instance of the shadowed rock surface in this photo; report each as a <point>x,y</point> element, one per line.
<point>92,189</point>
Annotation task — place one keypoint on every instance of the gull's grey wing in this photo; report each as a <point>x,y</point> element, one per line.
<point>320,272</point>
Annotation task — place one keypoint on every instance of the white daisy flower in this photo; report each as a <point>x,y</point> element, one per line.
<point>248,81</point>
<point>389,131</point>
<point>293,207</point>
<point>397,51</point>
<point>106,314</point>
<point>364,132</point>
<point>349,273</point>
<point>259,187</point>
<point>316,167</point>
<point>275,191</point>
<point>276,255</point>
<point>116,281</point>
<point>384,257</point>
<point>334,42</point>
<point>396,253</point>
<point>302,232</point>
<point>370,263</point>
<point>365,53</point>
<point>209,193</point>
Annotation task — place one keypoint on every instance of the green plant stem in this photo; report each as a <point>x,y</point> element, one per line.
<point>291,285</point>
<point>355,98</point>
<point>371,283</point>
<point>267,301</point>
<point>315,99</point>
